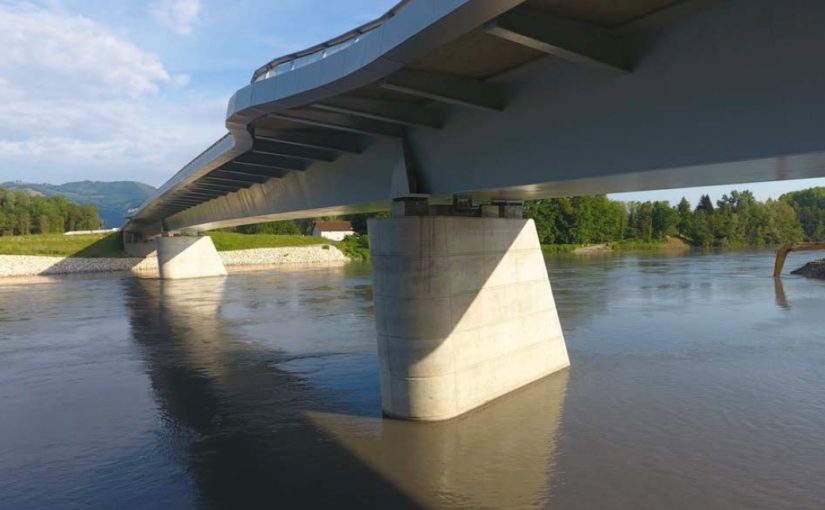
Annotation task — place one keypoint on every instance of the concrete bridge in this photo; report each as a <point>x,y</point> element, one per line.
<point>451,113</point>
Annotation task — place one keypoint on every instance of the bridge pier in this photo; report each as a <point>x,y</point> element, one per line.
<point>187,257</point>
<point>464,311</point>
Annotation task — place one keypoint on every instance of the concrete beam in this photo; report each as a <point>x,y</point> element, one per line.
<point>255,169</point>
<point>576,42</point>
<point>396,112</point>
<point>295,151</point>
<point>226,182</point>
<point>340,122</point>
<point>336,141</point>
<point>203,186</point>
<point>272,160</point>
<point>224,174</point>
<point>194,188</point>
<point>173,204</point>
<point>201,193</point>
<point>447,89</point>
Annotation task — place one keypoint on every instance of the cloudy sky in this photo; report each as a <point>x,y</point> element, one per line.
<point>116,90</point>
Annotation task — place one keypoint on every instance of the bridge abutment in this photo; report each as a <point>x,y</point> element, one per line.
<point>188,257</point>
<point>464,312</point>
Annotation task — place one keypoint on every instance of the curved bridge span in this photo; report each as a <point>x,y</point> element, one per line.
<point>513,99</point>
<point>452,112</point>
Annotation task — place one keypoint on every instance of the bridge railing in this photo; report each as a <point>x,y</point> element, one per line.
<point>323,50</point>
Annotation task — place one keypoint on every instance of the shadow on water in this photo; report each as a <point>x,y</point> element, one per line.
<point>252,434</point>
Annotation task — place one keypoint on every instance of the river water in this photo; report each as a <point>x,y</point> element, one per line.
<point>696,382</point>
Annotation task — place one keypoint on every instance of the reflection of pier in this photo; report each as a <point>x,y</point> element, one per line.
<point>248,431</point>
<point>449,463</point>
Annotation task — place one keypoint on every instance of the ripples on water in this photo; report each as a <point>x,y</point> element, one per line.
<point>696,382</point>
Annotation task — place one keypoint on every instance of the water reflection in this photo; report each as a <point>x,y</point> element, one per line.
<point>242,423</point>
<point>499,456</point>
<point>779,290</point>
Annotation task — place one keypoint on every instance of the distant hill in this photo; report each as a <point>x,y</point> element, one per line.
<point>111,198</point>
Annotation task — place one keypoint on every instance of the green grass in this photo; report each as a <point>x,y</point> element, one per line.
<point>229,241</point>
<point>87,246</point>
<point>108,245</point>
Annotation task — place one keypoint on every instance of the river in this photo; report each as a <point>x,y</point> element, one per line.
<point>696,382</point>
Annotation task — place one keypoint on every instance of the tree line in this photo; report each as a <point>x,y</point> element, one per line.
<point>735,220</point>
<point>22,213</point>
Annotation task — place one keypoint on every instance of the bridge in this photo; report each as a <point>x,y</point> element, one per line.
<point>450,113</point>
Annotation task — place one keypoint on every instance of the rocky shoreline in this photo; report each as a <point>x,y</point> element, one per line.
<point>27,265</point>
<point>814,269</point>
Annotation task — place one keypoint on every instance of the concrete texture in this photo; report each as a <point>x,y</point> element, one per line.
<point>188,257</point>
<point>464,312</point>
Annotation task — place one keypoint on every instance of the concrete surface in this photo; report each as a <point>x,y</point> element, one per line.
<point>464,312</point>
<point>188,257</point>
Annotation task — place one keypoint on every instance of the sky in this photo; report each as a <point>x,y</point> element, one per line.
<point>133,90</point>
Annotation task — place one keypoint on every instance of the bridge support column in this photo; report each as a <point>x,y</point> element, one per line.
<point>464,312</point>
<point>188,257</point>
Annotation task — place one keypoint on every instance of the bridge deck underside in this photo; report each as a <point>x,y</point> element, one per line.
<point>542,98</point>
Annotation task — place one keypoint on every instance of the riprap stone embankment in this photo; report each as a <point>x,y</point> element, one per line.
<point>27,265</point>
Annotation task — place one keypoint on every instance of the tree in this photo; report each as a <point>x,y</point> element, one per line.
<point>23,214</point>
<point>665,220</point>
<point>705,204</point>
<point>685,218</point>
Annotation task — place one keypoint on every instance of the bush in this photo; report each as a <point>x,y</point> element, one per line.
<point>355,247</point>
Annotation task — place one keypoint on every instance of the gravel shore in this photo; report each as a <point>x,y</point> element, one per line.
<point>24,265</point>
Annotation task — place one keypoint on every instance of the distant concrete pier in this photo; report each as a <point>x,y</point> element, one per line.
<point>188,257</point>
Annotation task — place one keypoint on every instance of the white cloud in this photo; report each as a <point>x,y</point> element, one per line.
<point>55,49</point>
<point>180,16</point>
<point>78,101</point>
<point>181,80</point>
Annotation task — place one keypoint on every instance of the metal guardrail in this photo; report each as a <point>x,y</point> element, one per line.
<point>320,51</point>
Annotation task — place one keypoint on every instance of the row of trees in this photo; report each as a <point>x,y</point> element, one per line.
<point>21,213</point>
<point>735,220</point>
<point>809,206</point>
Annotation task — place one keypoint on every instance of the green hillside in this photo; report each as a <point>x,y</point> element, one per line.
<point>111,198</point>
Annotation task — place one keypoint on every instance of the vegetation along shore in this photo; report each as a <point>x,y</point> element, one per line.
<point>33,225</point>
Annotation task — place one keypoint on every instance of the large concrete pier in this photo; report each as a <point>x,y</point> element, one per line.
<point>464,312</point>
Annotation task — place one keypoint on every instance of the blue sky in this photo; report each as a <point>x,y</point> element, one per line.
<point>108,90</point>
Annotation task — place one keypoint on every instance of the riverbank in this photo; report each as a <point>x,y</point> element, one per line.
<point>671,243</point>
<point>33,265</point>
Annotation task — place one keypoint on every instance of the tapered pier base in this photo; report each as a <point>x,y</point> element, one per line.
<point>464,312</point>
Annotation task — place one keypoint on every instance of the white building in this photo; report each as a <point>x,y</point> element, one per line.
<point>333,230</point>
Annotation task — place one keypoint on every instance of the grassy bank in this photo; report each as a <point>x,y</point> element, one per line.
<point>59,245</point>
<point>355,247</point>
<point>229,241</point>
<point>108,245</point>
<point>672,243</point>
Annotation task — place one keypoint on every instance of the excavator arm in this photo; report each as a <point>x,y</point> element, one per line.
<point>783,251</point>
